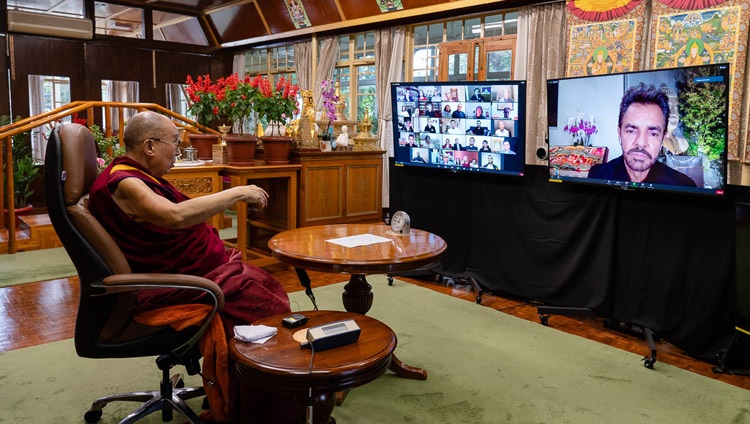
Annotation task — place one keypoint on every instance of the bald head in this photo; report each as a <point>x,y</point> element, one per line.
<point>145,125</point>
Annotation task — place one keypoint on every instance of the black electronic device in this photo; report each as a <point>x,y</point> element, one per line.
<point>333,334</point>
<point>460,126</point>
<point>597,136</point>
<point>294,321</point>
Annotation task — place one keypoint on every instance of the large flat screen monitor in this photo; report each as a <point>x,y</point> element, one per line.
<point>460,126</point>
<point>651,130</point>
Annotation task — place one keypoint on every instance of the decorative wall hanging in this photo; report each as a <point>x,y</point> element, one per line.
<point>604,47</point>
<point>697,37</point>
<point>601,10</point>
<point>390,5</point>
<point>297,13</point>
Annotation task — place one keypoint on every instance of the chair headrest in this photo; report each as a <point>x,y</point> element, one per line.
<point>79,161</point>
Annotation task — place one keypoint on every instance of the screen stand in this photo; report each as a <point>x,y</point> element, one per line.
<point>443,279</point>
<point>734,360</point>
<point>545,311</point>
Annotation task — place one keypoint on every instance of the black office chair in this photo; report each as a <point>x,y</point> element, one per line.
<point>104,326</point>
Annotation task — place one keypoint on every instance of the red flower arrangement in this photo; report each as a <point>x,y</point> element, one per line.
<point>237,101</point>
<point>203,98</point>
<point>275,106</point>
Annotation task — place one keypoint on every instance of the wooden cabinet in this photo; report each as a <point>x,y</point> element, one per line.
<point>339,187</point>
<point>196,181</point>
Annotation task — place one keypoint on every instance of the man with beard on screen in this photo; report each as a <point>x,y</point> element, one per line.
<point>644,113</point>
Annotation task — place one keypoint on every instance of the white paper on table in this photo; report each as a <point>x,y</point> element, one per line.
<point>358,240</point>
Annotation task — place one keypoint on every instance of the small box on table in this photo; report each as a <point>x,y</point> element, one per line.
<point>220,154</point>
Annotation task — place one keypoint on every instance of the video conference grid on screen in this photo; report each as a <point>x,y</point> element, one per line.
<point>590,142</point>
<point>478,126</point>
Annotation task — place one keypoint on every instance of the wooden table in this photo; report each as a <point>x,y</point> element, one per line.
<point>275,377</point>
<point>243,175</point>
<point>307,248</point>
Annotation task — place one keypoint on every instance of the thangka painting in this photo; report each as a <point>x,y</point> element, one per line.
<point>601,48</point>
<point>697,37</point>
<point>389,5</point>
<point>607,46</point>
<point>297,13</point>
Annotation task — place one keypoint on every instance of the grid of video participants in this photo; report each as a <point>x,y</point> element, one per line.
<point>470,126</point>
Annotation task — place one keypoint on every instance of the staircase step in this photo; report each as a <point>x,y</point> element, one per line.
<point>34,232</point>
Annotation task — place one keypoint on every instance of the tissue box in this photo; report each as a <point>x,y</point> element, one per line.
<point>220,154</point>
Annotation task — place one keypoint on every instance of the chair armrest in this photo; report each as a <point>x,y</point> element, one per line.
<point>145,281</point>
<point>119,283</point>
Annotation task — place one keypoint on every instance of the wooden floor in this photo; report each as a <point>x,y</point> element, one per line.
<point>32,314</point>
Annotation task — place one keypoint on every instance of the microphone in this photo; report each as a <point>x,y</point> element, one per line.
<point>304,280</point>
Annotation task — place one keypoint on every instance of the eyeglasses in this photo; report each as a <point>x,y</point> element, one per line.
<point>175,143</point>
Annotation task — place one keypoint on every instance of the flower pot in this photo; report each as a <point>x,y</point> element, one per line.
<point>18,212</point>
<point>204,143</point>
<point>241,149</point>
<point>276,149</point>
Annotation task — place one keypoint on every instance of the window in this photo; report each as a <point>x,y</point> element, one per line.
<point>121,21</point>
<point>45,94</point>
<point>355,72</point>
<point>123,92</point>
<point>273,63</point>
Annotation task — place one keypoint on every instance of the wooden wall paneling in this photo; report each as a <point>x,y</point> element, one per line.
<point>4,86</point>
<point>33,55</point>
<point>174,67</point>
<point>121,64</point>
<point>240,22</point>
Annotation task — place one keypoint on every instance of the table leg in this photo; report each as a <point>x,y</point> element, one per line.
<point>357,298</point>
<point>357,295</point>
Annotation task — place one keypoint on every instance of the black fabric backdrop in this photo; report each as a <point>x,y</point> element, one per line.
<point>660,260</point>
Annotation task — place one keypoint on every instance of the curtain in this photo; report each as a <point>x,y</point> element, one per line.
<point>123,92</point>
<point>303,57</point>
<point>541,41</point>
<point>238,65</point>
<point>326,65</point>
<point>36,104</point>
<point>389,54</point>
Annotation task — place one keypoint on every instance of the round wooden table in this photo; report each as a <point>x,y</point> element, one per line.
<point>276,377</point>
<point>309,248</point>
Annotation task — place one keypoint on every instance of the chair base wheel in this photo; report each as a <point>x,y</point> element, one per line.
<point>92,416</point>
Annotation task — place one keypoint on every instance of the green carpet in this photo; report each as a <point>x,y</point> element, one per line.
<point>35,265</point>
<point>484,367</point>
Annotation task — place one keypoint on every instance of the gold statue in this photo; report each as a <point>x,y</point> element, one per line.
<point>365,125</point>
<point>308,111</point>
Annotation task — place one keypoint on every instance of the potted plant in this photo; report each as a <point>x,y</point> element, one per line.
<point>237,103</point>
<point>330,99</point>
<point>25,169</point>
<point>108,147</point>
<point>203,103</point>
<point>274,106</point>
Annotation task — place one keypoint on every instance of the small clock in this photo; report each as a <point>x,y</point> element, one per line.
<point>401,223</point>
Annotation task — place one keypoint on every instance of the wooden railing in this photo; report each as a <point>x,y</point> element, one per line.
<point>82,108</point>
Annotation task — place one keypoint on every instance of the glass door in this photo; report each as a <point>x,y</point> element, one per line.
<point>483,59</point>
<point>455,58</point>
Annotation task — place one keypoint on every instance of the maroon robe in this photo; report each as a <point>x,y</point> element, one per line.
<point>249,292</point>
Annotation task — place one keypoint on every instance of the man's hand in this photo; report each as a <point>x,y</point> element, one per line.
<point>253,195</point>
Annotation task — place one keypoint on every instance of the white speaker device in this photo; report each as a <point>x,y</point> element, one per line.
<point>333,334</point>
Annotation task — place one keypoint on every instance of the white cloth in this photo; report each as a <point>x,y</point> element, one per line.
<point>254,333</point>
